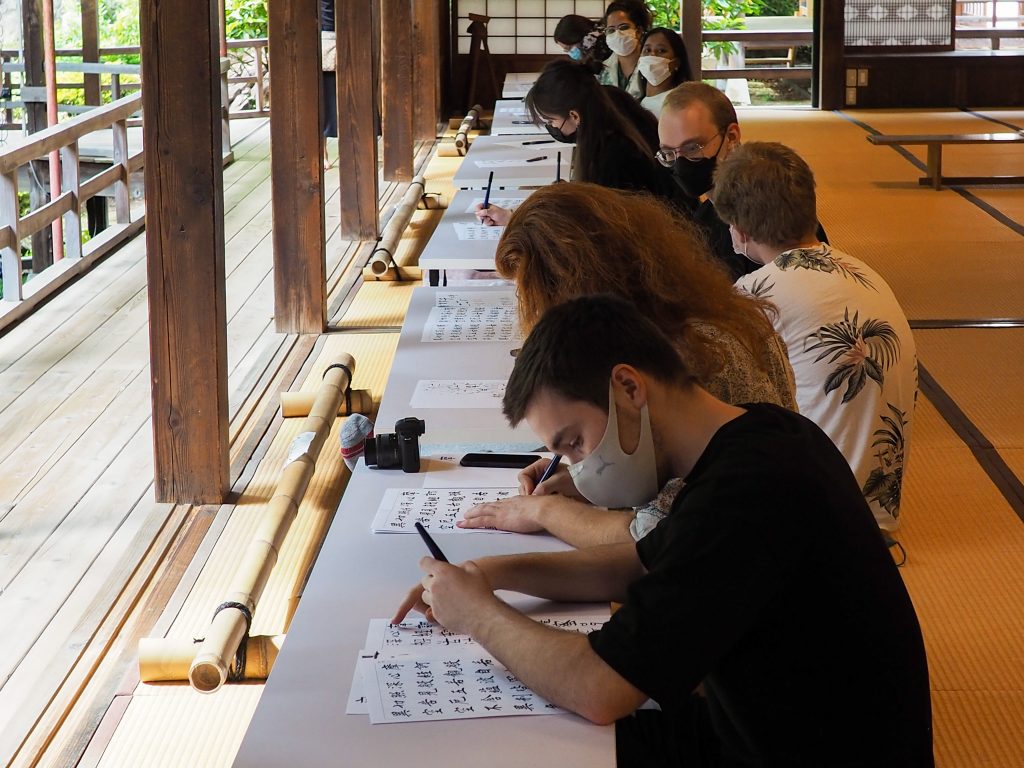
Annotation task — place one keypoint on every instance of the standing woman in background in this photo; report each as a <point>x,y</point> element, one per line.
<point>582,40</point>
<point>625,23</point>
<point>328,78</point>
<point>663,64</point>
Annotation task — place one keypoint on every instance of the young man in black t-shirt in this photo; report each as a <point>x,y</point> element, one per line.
<point>768,583</point>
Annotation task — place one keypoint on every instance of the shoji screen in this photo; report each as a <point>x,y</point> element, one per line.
<point>521,26</point>
<point>898,23</point>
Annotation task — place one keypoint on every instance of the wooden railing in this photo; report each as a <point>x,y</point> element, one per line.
<point>14,228</point>
<point>767,39</point>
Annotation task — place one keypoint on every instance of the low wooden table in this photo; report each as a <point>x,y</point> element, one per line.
<point>935,142</point>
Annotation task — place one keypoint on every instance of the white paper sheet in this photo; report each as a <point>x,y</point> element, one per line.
<point>472,323</point>
<point>460,299</point>
<point>501,202</point>
<point>458,393</point>
<point>512,162</point>
<point>437,509</point>
<point>475,232</point>
<point>415,636</point>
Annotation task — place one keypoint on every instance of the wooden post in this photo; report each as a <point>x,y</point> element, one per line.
<point>396,91</point>
<point>122,196</point>
<point>832,61</point>
<point>427,72</point>
<point>300,282</point>
<point>70,183</point>
<point>691,17</point>
<point>185,250</point>
<point>357,132</point>
<point>35,120</point>
<point>10,252</point>
<point>91,49</point>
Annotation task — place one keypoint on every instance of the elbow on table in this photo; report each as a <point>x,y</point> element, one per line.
<point>606,712</point>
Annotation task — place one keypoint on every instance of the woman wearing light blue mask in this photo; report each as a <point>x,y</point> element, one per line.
<point>625,23</point>
<point>582,40</point>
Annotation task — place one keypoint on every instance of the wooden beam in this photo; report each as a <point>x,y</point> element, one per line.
<point>691,17</point>
<point>185,250</point>
<point>300,283</point>
<point>396,88</point>
<point>35,120</point>
<point>427,73</point>
<point>91,49</point>
<point>357,132</point>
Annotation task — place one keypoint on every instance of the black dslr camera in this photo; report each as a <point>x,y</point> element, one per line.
<point>401,447</point>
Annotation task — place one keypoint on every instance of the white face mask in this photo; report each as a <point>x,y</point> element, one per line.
<point>610,477</point>
<point>741,250</point>
<point>621,43</point>
<point>655,69</point>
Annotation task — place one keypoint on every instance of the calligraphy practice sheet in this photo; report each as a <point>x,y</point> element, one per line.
<point>467,299</point>
<point>436,509</point>
<point>477,231</point>
<point>510,162</point>
<point>468,322</point>
<point>418,671</point>
<point>501,202</point>
<point>458,393</point>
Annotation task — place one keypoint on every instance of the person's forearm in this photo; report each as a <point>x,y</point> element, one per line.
<point>583,525</point>
<point>594,574</point>
<point>558,665</point>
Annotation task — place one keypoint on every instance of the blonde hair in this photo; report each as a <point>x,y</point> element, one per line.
<point>578,239</point>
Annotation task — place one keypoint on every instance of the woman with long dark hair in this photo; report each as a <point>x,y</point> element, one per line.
<point>663,64</point>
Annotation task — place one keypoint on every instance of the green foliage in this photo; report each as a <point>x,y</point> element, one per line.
<point>777,8</point>
<point>665,12</point>
<point>246,19</point>
<point>726,14</point>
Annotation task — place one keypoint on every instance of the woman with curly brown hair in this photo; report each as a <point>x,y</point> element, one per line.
<point>569,240</point>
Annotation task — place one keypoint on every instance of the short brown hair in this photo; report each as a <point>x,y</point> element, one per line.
<point>766,191</point>
<point>723,113</point>
<point>575,239</point>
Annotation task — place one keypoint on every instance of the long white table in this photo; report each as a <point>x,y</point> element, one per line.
<point>301,720</point>
<point>446,250</point>
<point>512,118</point>
<point>510,158</point>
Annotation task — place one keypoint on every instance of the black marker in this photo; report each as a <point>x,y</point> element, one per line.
<point>435,551</point>
<point>539,141</point>
<point>549,471</point>
<point>537,159</point>
<point>487,194</point>
<point>558,168</point>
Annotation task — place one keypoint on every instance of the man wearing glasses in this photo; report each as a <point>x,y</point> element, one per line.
<point>698,128</point>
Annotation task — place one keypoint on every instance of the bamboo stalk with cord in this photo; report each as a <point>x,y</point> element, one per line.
<point>469,122</point>
<point>165,659</point>
<point>230,625</point>
<point>382,260</point>
<point>301,403</point>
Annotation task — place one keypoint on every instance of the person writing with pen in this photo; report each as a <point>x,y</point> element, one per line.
<point>767,585</point>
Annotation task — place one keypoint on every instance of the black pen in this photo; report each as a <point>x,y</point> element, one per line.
<point>539,141</point>
<point>537,159</point>
<point>549,471</point>
<point>522,122</point>
<point>558,168</point>
<point>487,194</point>
<point>435,551</point>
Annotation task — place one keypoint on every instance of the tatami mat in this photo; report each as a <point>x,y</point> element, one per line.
<point>984,728</point>
<point>982,370</point>
<point>382,304</point>
<point>179,728</point>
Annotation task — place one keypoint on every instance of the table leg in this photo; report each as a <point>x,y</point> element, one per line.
<point>433,276</point>
<point>935,164</point>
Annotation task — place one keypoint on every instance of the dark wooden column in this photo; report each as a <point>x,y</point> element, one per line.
<point>831,52</point>
<point>185,249</point>
<point>357,131</point>
<point>300,287</point>
<point>35,120</point>
<point>396,88</point>
<point>427,72</point>
<point>691,17</point>
<point>91,49</point>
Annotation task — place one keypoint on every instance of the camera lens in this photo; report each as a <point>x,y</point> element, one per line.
<point>383,452</point>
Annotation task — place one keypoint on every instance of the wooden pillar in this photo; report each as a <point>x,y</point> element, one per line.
<point>34,85</point>
<point>300,283</point>
<point>427,69</point>
<point>691,18</point>
<point>832,60</point>
<point>396,88</point>
<point>91,49</point>
<point>357,131</point>
<point>185,249</point>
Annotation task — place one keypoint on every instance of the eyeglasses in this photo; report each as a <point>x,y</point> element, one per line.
<point>691,151</point>
<point>624,27</point>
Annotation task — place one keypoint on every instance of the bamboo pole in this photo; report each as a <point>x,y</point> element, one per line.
<point>301,403</point>
<point>468,123</point>
<point>382,260</point>
<point>163,659</point>
<point>209,669</point>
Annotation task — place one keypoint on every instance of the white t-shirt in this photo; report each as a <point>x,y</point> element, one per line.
<point>654,103</point>
<point>854,359</point>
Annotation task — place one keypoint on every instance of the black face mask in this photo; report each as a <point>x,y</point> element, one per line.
<point>557,135</point>
<point>695,177</point>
